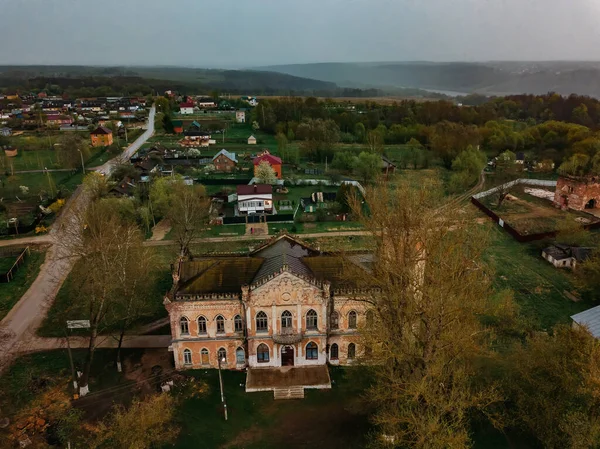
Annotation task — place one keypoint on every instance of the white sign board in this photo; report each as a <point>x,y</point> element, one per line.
<point>78,324</point>
<point>501,222</point>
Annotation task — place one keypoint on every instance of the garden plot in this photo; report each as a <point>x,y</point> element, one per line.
<point>535,214</point>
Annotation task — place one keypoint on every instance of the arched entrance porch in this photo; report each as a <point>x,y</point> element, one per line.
<point>287,355</point>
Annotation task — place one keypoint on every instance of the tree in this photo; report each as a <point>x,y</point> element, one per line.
<point>448,139</point>
<point>265,173</point>
<point>576,165</point>
<point>344,196</point>
<point>587,275</point>
<point>163,105</point>
<point>282,144</point>
<point>552,385</point>
<point>426,290</point>
<point>375,141</point>
<point>107,252</point>
<point>360,132</point>
<point>507,170</point>
<point>467,167</point>
<point>144,425</point>
<point>344,161</point>
<point>188,214</point>
<point>367,166</point>
<point>168,124</point>
<point>71,149</point>
<point>95,185</point>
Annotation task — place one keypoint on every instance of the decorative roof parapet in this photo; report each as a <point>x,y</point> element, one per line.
<point>285,269</point>
<point>210,296</point>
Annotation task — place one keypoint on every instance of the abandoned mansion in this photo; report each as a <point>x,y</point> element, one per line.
<point>284,304</point>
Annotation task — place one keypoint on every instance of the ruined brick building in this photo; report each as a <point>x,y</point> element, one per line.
<point>578,193</point>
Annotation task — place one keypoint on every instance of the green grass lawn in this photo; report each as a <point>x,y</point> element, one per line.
<point>38,182</point>
<point>40,159</point>
<point>538,286</point>
<point>24,276</point>
<point>325,419</point>
<point>34,374</point>
<point>67,307</point>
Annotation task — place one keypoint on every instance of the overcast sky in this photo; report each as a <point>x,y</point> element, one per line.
<point>243,33</point>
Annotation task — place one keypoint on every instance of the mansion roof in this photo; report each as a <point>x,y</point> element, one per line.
<point>227,275</point>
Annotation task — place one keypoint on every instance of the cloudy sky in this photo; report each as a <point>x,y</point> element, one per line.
<point>243,33</point>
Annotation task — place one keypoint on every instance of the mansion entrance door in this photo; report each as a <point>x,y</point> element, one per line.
<point>287,356</point>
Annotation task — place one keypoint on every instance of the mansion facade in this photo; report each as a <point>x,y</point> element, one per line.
<point>285,304</point>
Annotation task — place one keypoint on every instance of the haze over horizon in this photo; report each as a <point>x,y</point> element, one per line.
<point>232,34</point>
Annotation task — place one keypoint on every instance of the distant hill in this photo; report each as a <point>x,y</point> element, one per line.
<point>497,78</point>
<point>254,82</point>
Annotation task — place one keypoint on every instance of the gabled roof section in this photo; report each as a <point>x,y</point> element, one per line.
<point>218,275</point>
<point>284,242</point>
<point>258,189</point>
<point>272,160</point>
<point>227,154</point>
<point>101,130</point>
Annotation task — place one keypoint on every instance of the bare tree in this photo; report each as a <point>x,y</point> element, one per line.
<point>108,275</point>
<point>188,213</point>
<point>427,289</point>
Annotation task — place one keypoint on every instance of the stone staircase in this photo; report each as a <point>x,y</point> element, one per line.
<point>296,392</point>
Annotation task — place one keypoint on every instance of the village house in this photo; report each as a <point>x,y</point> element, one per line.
<point>578,193</point>
<point>101,137</point>
<point>240,116</point>
<point>206,103</point>
<point>565,256</point>
<point>186,108</point>
<point>273,161</point>
<point>285,305</point>
<point>251,140</point>
<point>254,199</point>
<point>224,161</point>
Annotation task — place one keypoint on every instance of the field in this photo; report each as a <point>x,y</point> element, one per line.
<point>24,276</point>
<point>539,288</point>
<point>531,215</point>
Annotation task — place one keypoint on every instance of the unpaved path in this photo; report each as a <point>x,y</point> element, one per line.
<point>161,229</point>
<point>18,328</point>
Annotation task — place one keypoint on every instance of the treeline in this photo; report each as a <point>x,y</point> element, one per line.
<point>102,86</point>
<point>546,127</point>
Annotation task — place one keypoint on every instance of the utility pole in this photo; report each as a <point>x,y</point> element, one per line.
<point>75,391</point>
<point>221,385</point>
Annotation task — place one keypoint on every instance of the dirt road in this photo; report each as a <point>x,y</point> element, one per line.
<point>18,328</point>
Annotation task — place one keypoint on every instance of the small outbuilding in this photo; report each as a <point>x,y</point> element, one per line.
<point>565,256</point>
<point>251,140</point>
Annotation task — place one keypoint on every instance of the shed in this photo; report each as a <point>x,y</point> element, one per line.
<point>565,256</point>
<point>251,140</point>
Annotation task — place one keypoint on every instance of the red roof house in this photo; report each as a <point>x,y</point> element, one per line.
<point>273,161</point>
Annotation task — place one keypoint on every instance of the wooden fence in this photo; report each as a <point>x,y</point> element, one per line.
<point>20,260</point>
